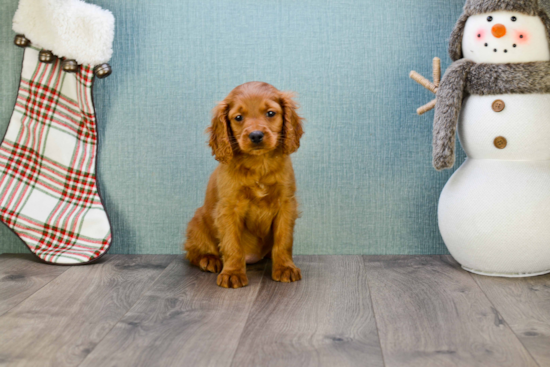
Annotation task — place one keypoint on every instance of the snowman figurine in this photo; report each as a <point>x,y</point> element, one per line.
<point>494,212</point>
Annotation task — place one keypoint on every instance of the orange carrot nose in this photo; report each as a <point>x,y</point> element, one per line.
<point>499,30</point>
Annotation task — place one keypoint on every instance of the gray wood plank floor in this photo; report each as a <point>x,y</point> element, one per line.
<point>62,322</point>
<point>525,305</point>
<point>325,322</point>
<point>185,319</point>
<point>347,311</point>
<point>21,276</point>
<point>432,313</point>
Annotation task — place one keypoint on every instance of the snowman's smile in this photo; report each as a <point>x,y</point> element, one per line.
<point>496,49</point>
<point>505,50</point>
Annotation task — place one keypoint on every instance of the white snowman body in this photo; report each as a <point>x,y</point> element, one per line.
<point>494,212</point>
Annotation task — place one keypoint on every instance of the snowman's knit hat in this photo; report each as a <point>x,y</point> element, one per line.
<point>473,7</point>
<point>529,7</point>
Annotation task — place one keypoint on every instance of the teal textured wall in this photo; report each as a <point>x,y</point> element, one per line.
<point>366,185</point>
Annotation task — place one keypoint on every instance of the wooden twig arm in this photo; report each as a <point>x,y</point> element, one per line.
<point>427,107</point>
<point>431,86</point>
<point>423,81</point>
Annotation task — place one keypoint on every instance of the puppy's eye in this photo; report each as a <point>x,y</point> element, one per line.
<point>489,18</point>
<point>514,19</point>
<point>238,118</point>
<point>270,113</point>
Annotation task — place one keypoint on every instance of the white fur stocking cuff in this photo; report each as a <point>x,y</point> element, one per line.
<point>69,28</point>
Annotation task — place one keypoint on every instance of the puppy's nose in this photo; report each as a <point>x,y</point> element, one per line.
<point>256,137</point>
<point>499,31</point>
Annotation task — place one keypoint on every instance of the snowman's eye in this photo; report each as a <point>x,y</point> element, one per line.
<point>514,19</point>
<point>489,18</point>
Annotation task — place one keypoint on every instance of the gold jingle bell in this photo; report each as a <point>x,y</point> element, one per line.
<point>46,56</point>
<point>103,71</point>
<point>70,66</point>
<point>21,41</point>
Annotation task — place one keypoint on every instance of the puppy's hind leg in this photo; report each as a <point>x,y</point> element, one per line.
<point>201,246</point>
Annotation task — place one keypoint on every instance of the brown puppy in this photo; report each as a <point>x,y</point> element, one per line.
<point>250,207</point>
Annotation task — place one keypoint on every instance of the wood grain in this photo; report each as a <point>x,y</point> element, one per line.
<point>185,319</point>
<point>324,320</point>
<point>20,276</point>
<point>159,311</point>
<point>525,305</point>
<point>61,323</point>
<point>432,313</point>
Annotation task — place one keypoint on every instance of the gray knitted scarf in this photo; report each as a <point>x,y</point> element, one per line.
<point>465,76</point>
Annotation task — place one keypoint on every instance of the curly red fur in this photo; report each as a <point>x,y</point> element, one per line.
<point>250,206</point>
<point>293,130</point>
<point>220,134</point>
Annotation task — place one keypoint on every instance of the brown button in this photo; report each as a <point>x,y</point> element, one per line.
<point>498,105</point>
<point>501,142</point>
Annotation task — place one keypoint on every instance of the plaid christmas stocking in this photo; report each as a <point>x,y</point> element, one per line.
<point>48,191</point>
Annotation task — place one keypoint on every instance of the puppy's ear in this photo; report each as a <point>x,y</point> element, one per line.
<point>292,123</point>
<point>220,134</point>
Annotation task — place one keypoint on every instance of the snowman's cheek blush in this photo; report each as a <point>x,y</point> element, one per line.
<point>521,37</point>
<point>480,35</point>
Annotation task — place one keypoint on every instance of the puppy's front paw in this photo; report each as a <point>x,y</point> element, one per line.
<point>232,279</point>
<point>211,263</point>
<point>286,274</point>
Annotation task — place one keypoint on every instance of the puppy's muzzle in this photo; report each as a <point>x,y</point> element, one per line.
<point>256,137</point>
